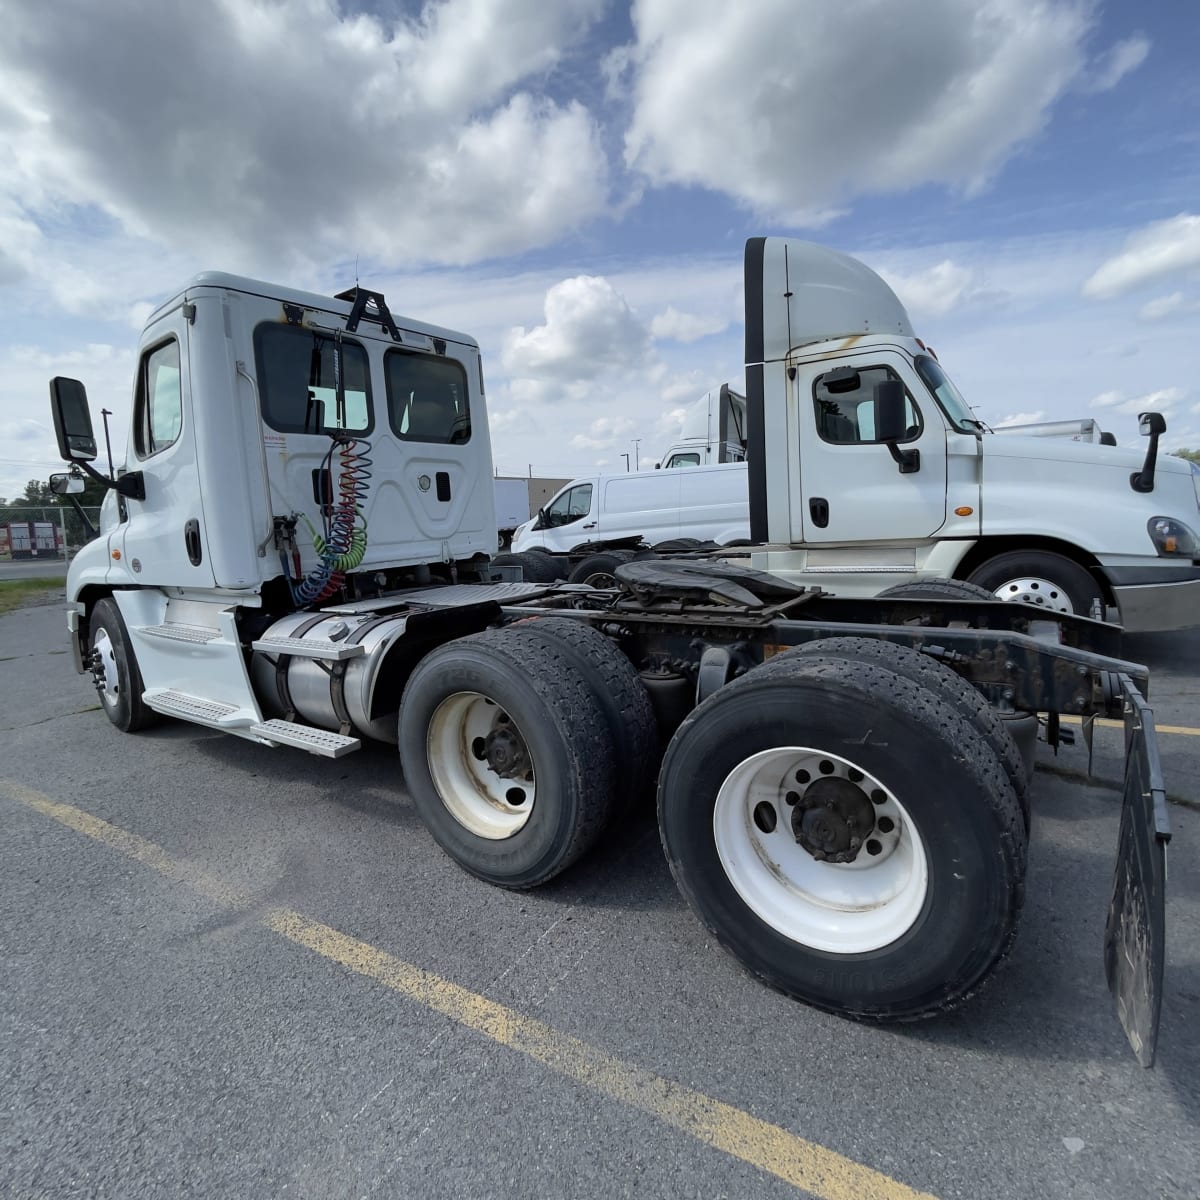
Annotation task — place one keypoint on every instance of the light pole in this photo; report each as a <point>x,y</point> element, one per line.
<point>636,460</point>
<point>626,458</point>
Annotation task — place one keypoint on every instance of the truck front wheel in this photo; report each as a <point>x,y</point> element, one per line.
<point>1040,577</point>
<point>115,671</point>
<point>847,834</point>
<point>507,755</point>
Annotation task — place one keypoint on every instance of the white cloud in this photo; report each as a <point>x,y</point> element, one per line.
<point>589,330</point>
<point>603,433</point>
<point>1166,306</point>
<point>933,291</point>
<point>296,131</point>
<point>811,103</point>
<point>676,326</point>
<point>1161,249</point>
<point>1107,400</point>
<point>1021,418</point>
<point>1111,67</point>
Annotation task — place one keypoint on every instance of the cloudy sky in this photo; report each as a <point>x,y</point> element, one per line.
<point>573,181</point>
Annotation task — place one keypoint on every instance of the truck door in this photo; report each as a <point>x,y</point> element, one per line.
<point>163,540</point>
<point>852,489</point>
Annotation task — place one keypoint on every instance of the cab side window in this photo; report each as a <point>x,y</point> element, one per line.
<point>573,504</point>
<point>158,407</point>
<point>691,459</point>
<point>845,408</point>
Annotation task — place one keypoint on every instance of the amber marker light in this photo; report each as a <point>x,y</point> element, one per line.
<point>963,510</point>
<point>116,554</point>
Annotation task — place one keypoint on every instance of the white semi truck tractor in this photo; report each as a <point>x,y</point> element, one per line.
<point>299,553</point>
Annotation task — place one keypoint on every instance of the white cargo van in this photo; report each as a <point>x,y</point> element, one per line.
<point>708,502</point>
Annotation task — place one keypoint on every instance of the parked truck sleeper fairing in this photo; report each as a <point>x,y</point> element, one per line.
<point>299,554</point>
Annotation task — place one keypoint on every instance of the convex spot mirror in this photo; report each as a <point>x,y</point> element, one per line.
<point>72,420</point>
<point>66,485</point>
<point>1150,423</point>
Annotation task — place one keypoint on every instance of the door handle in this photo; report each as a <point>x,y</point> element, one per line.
<point>589,525</point>
<point>818,509</point>
<point>191,539</point>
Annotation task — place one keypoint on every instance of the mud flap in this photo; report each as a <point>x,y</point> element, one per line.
<point>1135,935</point>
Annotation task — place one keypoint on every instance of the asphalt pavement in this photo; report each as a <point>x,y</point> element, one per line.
<point>232,971</point>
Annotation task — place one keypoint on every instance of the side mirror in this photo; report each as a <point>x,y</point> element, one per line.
<point>891,423</point>
<point>1108,439</point>
<point>65,484</point>
<point>542,522</point>
<point>72,420</point>
<point>1150,424</point>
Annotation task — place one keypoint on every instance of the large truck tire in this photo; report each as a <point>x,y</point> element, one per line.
<point>115,670</point>
<point>617,685</point>
<point>948,686</point>
<point>507,755</point>
<point>555,566</point>
<point>1040,577</point>
<point>936,589</point>
<point>536,567</point>
<point>847,834</point>
<point>597,569</point>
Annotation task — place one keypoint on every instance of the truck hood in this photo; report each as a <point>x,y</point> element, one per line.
<point>1064,450</point>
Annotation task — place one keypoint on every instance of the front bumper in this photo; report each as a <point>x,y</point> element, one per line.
<point>1150,607</point>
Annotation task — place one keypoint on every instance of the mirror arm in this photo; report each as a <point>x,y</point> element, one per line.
<point>92,531</point>
<point>131,485</point>
<point>1143,480</point>
<point>909,461</point>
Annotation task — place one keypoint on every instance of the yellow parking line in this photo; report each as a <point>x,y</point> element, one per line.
<point>804,1164</point>
<point>1111,724</point>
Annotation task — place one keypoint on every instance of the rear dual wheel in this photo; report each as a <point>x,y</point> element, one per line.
<point>847,833</point>
<point>514,750</point>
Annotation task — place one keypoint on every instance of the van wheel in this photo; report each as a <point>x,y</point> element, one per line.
<point>847,834</point>
<point>1039,577</point>
<point>115,670</point>
<point>948,686</point>
<point>507,755</point>
<point>622,695</point>
<point>597,570</point>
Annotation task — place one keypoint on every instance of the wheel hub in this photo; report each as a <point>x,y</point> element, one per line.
<point>831,820</point>
<point>506,753</point>
<point>1031,590</point>
<point>102,662</point>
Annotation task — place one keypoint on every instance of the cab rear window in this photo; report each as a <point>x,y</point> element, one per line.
<point>298,381</point>
<point>427,398</point>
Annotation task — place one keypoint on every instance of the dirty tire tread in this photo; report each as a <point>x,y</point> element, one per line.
<point>576,723</point>
<point>949,685</point>
<point>988,943</point>
<point>937,589</point>
<point>621,694</point>
<point>538,568</point>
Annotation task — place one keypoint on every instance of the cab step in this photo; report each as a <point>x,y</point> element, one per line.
<point>177,632</point>
<point>310,648</point>
<point>305,737</point>
<point>197,709</point>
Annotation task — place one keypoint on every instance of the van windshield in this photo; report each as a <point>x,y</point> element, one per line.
<point>948,396</point>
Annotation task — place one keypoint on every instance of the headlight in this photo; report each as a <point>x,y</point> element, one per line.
<point>1173,538</point>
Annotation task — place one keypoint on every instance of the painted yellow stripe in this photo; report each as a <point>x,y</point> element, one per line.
<point>1111,724</point>
<point>804,1164</point>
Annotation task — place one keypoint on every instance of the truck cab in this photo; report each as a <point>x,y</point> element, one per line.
<point>836,498</point>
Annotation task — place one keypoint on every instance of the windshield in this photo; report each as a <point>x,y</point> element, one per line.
<point>948,396</point>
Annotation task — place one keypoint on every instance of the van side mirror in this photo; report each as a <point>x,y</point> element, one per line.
<point>66,484</point>
<point>1152,424</point>
<point>542,521</point>
<point>72,420</point>
<point>891,423</point>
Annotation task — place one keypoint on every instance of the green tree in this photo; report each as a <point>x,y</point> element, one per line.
<point>1190,455</point>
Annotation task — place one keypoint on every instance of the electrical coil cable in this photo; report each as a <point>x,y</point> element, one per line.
<point>343,541</point>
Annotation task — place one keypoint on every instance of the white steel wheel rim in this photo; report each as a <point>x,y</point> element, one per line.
<point>844,908</point>
<point>1032,590</point>
<point>473,793</point>
<point>110,688</point>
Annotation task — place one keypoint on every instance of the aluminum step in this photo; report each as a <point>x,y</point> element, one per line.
<point>304,737</point>
<point>195,708</point>
<point>176,632</point>
<point>310,648</point>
